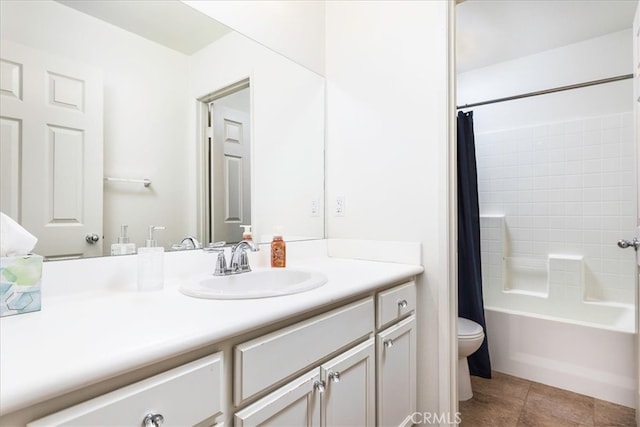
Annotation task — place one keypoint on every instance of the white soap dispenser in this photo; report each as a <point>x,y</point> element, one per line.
<point>123,247</point>
<point>151,263</point>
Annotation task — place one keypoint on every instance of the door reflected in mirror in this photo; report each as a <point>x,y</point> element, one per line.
<point>228,162</point>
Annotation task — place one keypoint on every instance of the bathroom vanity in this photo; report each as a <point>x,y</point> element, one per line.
<point>343,353</point>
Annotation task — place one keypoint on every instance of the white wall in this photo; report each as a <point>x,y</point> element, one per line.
<point>387,144</point>
<point>293,28</point>
<point>598,58</point>
<point>145,113</point>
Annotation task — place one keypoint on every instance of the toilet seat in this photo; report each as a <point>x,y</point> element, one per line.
<point>468,329</point>
<point>471,337</point>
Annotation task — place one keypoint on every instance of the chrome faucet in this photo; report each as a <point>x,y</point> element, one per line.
<point>239,262</point>
<point>189,242</point>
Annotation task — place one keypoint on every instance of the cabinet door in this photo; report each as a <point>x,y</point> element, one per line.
<point>295,404</point>
<point>349,397</point>
<point>396,360</point>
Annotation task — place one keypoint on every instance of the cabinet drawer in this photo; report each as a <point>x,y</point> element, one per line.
<point>264,361</point>
<point>186,395</point>
<point>396,303</point>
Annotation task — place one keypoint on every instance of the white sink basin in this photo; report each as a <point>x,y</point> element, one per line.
<point>259,283</point>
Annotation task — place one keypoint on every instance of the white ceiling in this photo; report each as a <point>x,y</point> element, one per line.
<point>169,22</point>
<point>493,31</point>
<point>488,31</point>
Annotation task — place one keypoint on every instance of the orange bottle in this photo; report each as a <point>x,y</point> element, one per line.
<point>278,252</point>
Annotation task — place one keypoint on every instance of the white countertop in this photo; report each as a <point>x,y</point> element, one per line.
<point>79,339</point>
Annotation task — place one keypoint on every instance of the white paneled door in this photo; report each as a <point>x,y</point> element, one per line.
<point>51,145</point>
<point>231,177</point>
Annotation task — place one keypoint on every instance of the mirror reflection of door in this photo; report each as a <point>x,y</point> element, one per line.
<point>229,165</point>
<point>51,147</point>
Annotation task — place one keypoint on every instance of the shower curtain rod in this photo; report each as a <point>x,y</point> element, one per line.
<point>546,91</point>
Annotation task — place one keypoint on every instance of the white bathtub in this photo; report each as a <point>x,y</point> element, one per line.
<point>594,356</point>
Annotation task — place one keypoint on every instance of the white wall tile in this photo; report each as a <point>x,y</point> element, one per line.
<point>566,188</point>
<point>592,152</point>
<point>611,179</point>
<point>593,123</point>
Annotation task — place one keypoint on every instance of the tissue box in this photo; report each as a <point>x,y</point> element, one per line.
<point>20,279</point>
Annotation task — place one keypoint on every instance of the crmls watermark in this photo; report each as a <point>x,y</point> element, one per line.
<point>434,418</point>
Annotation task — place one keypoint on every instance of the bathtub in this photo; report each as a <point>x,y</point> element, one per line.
<point>594,356</point>
<point>549,320</point>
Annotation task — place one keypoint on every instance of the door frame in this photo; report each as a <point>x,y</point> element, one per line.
<point>636,129</point>
<point>203,186</point>
<point>451,315</point>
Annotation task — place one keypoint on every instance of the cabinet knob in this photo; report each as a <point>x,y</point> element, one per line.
<point>388,343</point>
<point>319,386</point>
<point>334,376</point>
<point>403,303</point>
<point>153,420</point>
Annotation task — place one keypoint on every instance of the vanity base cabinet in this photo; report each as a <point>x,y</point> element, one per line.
<point>352,365</point>
<point>340,392</point>
<point>396,370</point>
<point>190,394</point>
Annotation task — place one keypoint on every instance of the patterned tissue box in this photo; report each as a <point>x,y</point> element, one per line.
<point>20,279</point>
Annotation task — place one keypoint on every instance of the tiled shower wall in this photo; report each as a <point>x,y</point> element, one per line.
<point>567,190</point>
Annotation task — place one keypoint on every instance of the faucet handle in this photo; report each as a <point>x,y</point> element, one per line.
<point>214,246</point>
<point>243,262</point>
<point>221,263</point>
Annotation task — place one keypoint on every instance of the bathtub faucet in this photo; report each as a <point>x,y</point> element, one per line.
<point>635,243</point>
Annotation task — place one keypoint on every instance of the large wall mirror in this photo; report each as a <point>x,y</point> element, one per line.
<point>105,121</point>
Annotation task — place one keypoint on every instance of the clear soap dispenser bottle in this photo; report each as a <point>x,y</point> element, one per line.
<point>151,263</point>
<point>123,247</point>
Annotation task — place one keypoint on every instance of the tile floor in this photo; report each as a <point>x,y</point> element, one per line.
<point>507,401</point>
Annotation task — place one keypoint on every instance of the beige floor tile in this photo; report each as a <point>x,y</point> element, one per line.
<point>501,385</point>
<point>610,415</point>
<point>484,410</point>
<point>560,404</point>
<point>507,401</point>
<point>534,418</point>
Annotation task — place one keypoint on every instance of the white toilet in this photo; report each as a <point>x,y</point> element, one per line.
<point>470,337</point>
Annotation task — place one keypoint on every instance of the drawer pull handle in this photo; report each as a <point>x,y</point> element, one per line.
<point>319,386</point>
<point>153,420</point>
<point>388,343</point>
<point>334,376</point>
<point>403,303</point>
